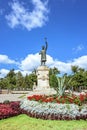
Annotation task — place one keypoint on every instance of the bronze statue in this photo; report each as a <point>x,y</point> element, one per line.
<point>43,53</point>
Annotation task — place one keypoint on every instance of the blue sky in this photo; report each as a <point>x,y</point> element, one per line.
<point>25,23</point>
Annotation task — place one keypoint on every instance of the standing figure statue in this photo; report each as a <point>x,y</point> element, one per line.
<point>43,53</point>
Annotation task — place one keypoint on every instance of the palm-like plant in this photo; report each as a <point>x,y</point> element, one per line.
<point>62,84</point>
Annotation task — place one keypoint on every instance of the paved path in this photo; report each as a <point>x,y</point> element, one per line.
<point>15,97</point>
<point>11,97</point>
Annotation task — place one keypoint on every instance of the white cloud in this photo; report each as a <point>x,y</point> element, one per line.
<point>81,62</point>
<point>32,61</point>
<point>78,48</point>
<point>5,60</point>
<point>24,72</point>
<point>3,72</point>
<point>29,20</point>
<point>62,67</point>
<point>65,67</point>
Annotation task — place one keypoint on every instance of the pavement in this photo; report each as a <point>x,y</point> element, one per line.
<point>12,97</point>
<point>16,97</point>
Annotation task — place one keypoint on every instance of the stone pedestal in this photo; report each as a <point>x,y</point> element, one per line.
<point>43,86</point>
<point>43,77</point>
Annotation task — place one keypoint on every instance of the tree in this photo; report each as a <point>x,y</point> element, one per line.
<point>79,78</point>
<point>4,83</point>
<point>26,83</point>
<point>29,80</point>
<point>19,80</point>
<point>74,69</point>
<point>53,81</point>
<point>34,71</point>
<point>32,79</point>
<point>85,80</point>
<point>53,72</point>
<point>11,77</point>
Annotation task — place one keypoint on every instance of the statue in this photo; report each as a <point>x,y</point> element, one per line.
<point>43,53</point>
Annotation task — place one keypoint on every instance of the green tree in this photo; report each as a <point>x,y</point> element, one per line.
<point>53,81</point>
<point>19,80</point>
<point>79,78</point>
<point>74,69</point>
<point>4,83</point>
<point>26,83</point>
<point>32,79</point>
<point>29,80</point>
<point>53,72</point>
<point>11,77</point>
<point>85,80</point>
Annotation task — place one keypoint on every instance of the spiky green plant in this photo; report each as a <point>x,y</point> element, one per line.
<point>61,86</point>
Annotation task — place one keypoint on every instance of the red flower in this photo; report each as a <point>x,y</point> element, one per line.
<point>82,97</point>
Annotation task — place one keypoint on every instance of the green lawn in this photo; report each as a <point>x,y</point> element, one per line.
<point>23,122</point>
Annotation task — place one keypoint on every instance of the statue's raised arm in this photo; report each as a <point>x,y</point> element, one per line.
<point>46,44</point>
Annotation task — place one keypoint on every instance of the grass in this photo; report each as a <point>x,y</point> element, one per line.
<point>23,122</point>
<point>22,96</point>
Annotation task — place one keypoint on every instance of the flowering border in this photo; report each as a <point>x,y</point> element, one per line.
<point>79,100</point>
<point>53,111</point>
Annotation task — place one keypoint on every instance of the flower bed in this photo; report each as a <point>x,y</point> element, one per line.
<point>68,99</point>
<point>45,107</point>
<point>9,109</point>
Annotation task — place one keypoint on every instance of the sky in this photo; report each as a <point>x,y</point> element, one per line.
<point>25,23</point>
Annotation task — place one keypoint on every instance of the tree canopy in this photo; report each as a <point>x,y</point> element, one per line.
<point>17,81</point>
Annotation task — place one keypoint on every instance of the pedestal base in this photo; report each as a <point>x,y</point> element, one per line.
<point>43,86</point>
<point>47,91</point>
